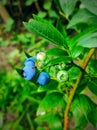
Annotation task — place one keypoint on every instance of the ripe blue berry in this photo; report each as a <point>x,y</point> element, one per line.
<point>43,78</point>
<point>30,62</point>
<point>28,72</point>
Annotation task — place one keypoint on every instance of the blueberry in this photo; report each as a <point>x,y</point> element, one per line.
<point>43,78</point>
<point>28,72</point>
<point>30,62</point>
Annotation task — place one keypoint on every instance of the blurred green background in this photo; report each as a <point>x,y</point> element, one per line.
<point>19,98</point>
<point>17,103</point>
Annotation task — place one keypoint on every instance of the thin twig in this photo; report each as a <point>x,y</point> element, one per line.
<point>37,6</point>
<point>4,13</point>
<point>70,98</point>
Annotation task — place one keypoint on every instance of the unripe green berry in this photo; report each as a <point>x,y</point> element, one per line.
<point>61,66</point>
<point>62,75</point>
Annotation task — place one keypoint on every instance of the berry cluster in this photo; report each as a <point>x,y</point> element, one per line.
<point>29,71</point>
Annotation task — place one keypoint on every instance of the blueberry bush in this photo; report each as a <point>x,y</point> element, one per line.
<point>55,87</point>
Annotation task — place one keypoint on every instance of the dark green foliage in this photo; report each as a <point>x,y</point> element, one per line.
<point>93,85</point>
<point>56,52</point>
<point>82,107</point>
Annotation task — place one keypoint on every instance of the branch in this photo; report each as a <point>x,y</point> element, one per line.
<point>4,13</point>
<point>70,98</point>
<point>37,6</point>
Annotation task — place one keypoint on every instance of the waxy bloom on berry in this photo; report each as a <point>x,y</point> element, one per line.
<point>30,62</point>
<point>43,78</point>
<point>28,72</point>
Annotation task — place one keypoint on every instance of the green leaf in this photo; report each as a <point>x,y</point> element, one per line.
<point>82,16</point>
<point>47,5</point>
<point>42,14</point>
<point>73,73</point>
<point>82,85</point>
<point>46,31</point>
<point>76,51</point>
<point>53,14</point>
<point>93,117</point>
<point>92,85</point>
<point>53,101</point>
<point>52,85</point>
<point>81,108</point>
<point>53,121</point>
<point>61,59</point>
<point>56,52</point>
<point>61,28</point>
<point>18,70</point>
<point>89,41</point>
<point>82,35</point>
<point>78,114</point>
<point>29,2</point>
<point>92,67</point>
<point>9,24</point>
<point>37,18</point>
<point>68,6</point>
<point>90,5</point>
<point>27,55</point>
